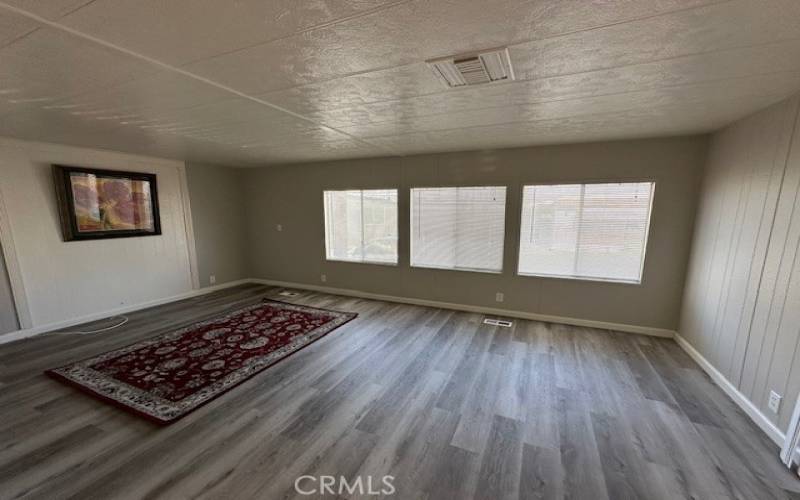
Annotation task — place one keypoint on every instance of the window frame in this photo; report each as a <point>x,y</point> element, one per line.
<point>463,269</point>
<point>645,248</point>
<point>396,263</point>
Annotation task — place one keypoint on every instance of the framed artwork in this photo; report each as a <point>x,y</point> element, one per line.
<point>95,204</point>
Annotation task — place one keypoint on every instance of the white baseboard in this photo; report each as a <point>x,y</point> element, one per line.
<point>770,429</point>
<point>644,330</point>
<point>30,332</point>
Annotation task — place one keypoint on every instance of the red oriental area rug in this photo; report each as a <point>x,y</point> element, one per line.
<point>169,376</point>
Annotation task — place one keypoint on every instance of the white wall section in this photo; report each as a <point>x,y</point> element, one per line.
<point>65,280</point>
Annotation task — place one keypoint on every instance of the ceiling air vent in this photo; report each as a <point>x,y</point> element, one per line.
<point>474,69</point>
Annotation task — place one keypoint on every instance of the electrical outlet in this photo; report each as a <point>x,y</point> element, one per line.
<point>498,297</point>
<point>279,227</point>
<point>323,278</point>
<point>212,279</point>
<point>774,403</point>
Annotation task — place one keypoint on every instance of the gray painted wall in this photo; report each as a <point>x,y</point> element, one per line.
<point>8,312</point>
<point>741,307</point>
<point>291,196</point>
<point>218,217</point>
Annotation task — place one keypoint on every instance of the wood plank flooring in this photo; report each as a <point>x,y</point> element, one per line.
<point>449,407</point>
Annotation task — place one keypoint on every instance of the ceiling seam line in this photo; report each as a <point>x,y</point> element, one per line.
<point>549,119</point>
<point>577,97</point>
<point>20,37</point>
<point>512,44</point>
<point>104,43</point>
<point>76,9</point>
<point>303,31</point>
<point>521,81</point>
<point>625,21</point>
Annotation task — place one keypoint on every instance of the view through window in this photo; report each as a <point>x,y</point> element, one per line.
<point>589,231</point>
<point>361,225</point>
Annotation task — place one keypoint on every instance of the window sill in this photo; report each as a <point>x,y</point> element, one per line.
<point>581,278</point>
<point>369,262</point>
<point>466,269</point>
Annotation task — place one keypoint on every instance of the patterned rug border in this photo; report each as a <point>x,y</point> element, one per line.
<point>56,375</point>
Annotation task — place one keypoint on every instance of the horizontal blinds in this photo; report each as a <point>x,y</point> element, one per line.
<point>361,225</point>
<point>458,227</point>
<point>595,231</point>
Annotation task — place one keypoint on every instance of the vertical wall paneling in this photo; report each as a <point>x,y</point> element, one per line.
<point>741,306</point>
<point>8,310</point>
<point>13,271</point>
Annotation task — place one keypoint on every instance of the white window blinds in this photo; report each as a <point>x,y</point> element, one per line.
<point>458,228</point>
<point>361,225</point>
<point>590,231</point>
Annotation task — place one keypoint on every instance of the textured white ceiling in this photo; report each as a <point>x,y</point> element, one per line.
<point>253,82</point>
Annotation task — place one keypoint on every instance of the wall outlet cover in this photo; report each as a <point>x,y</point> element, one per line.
<point>499,297</point>
<point>212,279</point>
<point>323,278</point>
<point>774,402</point>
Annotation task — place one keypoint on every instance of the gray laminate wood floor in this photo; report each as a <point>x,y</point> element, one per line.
<point>450,407</point>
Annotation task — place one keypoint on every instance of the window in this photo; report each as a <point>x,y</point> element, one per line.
<point>458,228</point>
<point>588,231</point>
<point>361,226</point>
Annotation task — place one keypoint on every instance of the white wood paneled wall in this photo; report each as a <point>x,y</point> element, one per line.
<point>741,306</point>
<point>58,281</point>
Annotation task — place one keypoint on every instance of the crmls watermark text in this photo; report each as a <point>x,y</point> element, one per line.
<point>333,485</point>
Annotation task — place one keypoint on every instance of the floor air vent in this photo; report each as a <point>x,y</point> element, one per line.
<point>497,322</point>
<point>474,69</point>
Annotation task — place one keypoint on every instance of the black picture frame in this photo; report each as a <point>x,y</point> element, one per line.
<point>66,203</point>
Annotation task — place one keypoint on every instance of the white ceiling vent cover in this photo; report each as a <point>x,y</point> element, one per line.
<point>474,69</point>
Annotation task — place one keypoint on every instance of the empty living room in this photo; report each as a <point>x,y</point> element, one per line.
<point>400,249</point>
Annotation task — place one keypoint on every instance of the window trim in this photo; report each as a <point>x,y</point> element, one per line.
<point>396,263</point>
<point>463,269</point>
<point>645,247</point>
